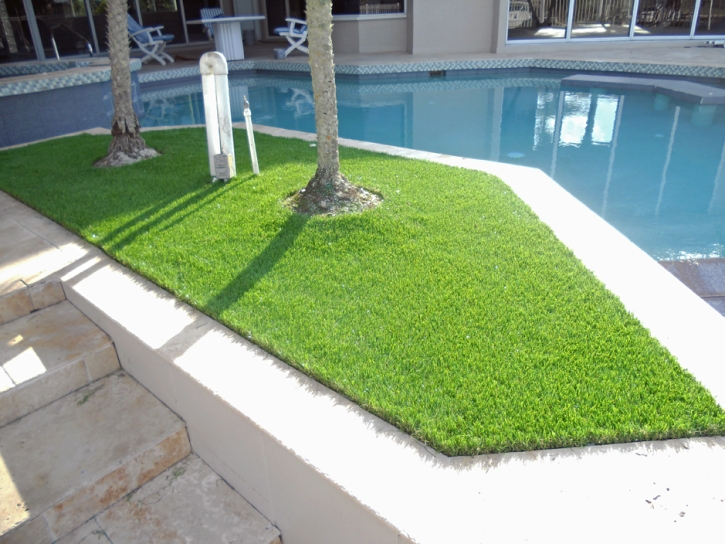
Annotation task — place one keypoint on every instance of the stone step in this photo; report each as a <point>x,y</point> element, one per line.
<point>18,299</point>
<point>47,354</point>
<point>65,463</point>
<point>187,503</point>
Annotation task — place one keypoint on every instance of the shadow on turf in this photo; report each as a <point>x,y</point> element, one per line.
<point>260,266</point>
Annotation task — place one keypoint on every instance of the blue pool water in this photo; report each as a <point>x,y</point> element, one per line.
<point>652,166</point>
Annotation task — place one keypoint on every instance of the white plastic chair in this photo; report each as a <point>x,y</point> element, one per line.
<point>296,34</point>
<point>150,41</point>
<point>210,13</point>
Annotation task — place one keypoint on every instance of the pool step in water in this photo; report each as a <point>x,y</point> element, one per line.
<point>689,91</point>
<point>705,277</point>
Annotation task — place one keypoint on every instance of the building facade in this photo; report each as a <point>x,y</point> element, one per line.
<point>31,29</point>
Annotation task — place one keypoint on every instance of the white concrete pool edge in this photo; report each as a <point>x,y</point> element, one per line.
<point>324,470</point>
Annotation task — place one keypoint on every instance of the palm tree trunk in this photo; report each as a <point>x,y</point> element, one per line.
<point>127,145</point>
<point>319,22</point>
<point>328,191</point>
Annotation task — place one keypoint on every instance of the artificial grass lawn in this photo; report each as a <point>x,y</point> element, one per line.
<point>450,310</point>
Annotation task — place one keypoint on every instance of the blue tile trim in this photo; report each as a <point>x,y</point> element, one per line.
<point>54,79</point>
<point>25,68</point>
<point>103,73</point>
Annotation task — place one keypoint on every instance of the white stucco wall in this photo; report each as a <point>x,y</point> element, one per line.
<point>379,35</point>
<point>453,26</point>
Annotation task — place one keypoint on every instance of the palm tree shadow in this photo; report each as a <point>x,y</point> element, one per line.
<point>129,231</point>
<point>260,266</point>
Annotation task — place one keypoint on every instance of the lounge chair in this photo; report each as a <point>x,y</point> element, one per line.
<point>150,41</point>
<point>296,34</point>
<point>209,13</point>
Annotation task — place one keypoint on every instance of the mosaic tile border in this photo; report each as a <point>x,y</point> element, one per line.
<point>434,66</point>
<point>59,75</point>
<point>103,73</point>
<point>22,69</point>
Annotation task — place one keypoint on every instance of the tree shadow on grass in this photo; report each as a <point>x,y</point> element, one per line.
<point>159,214</point>
<point>260,266</point>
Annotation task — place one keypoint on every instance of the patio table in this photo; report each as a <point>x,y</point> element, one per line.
<point>228,33</point>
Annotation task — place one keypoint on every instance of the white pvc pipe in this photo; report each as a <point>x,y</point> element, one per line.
<point>224,112</point>
<point>215,89</point>
<point>212,121</point>
<point>250,137</point>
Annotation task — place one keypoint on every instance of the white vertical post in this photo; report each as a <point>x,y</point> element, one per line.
<point>219,137</point>
<point>224,112</point>
<point>250,137</point>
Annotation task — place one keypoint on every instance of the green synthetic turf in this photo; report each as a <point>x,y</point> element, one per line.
<point>450,310</point>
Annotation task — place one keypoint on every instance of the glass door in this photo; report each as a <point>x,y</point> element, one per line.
<point>537,19</point>
<point>711,18</point>
<point>664,17</point>
<point>64,27</point>
<point>16,38</point>
<point>164,13</point>
<point>602,19</point>
<point>277,11</point>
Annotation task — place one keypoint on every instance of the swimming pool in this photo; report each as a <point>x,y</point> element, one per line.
<point>651,165</point>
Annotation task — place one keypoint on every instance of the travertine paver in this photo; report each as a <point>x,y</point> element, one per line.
<point>46,293</point>
<point>188,503</point>
<point>75,457</point>
<point>48,354</point>
<point>47,340</point>
<point>15,301</point>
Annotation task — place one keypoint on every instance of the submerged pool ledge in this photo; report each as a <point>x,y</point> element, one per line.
<point>688,91</point>
<point>324,470</point>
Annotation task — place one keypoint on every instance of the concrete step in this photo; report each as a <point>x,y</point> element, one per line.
<point>188,503</point>
<point>63,464</point>
<point>47,354</point>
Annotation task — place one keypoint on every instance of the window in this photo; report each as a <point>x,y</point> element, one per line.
<point>367,7</point>
<point>605,19</point>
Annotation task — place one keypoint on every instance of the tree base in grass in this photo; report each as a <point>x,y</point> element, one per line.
<point>126,149</point>
<point>332,198</point>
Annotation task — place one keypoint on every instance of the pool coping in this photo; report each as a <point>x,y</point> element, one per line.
<point>324,470</point>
